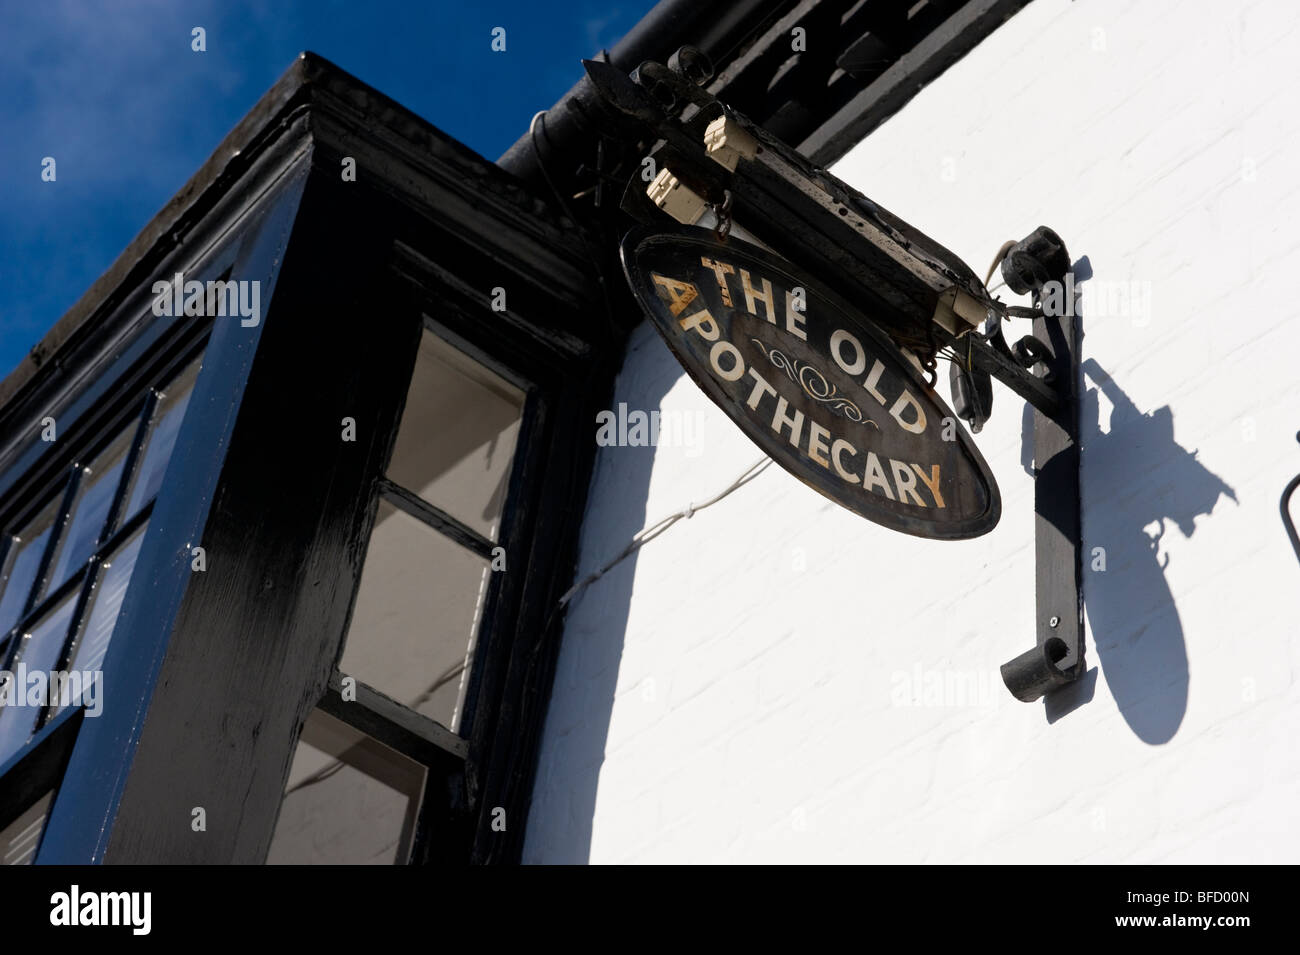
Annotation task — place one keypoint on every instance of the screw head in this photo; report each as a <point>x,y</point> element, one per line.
<point>1054,621</point>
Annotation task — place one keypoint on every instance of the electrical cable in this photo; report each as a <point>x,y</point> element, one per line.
<point>997,260</point>
<point>649,533</point>
<point>639,539</point>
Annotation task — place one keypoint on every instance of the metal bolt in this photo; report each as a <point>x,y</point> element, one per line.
<point>1054,621</point>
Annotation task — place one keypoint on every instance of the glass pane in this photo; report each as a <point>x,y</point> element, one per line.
<point>27,685</point>
<point>457,435</point>
<point>90,509</point>
<point>27,550</point>
<point>416,615</point>
<point>349,800</point>
<point>162,438</point>
<point>106,601</point>
<point>19,839</point>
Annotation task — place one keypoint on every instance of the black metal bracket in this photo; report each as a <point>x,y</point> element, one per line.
<point>873,258</point>
<point>802,212</point>
<point>1286,512</point>
<point>1057,658</point>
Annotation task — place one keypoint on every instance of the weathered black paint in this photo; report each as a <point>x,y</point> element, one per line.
<point>153,749</point>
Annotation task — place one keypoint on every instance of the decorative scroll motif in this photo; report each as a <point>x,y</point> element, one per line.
<point>814,384</point>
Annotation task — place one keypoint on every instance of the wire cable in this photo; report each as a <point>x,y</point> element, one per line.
<point>648,534</point>
<point>1006,247</point>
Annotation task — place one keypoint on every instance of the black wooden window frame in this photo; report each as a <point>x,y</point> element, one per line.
<point>443,831</point>
<point>399,249</point>
<point>132,401</point>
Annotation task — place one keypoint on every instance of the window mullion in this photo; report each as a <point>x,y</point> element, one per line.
<point>396,726</point>
<point>50,601</point>
<point>36,595</point>
<point>436,518</point>
<point>128,468</point>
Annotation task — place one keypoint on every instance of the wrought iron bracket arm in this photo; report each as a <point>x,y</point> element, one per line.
<point>1057,658</point>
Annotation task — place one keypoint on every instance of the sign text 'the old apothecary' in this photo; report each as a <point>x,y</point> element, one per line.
<point>813,383</point>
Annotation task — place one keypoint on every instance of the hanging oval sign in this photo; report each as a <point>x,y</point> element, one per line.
<point>812,382</point>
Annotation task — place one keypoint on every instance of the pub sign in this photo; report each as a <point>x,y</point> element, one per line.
<point>813,382</point>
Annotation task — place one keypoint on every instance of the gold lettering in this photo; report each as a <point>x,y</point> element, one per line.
<point>875,475</point>
<point>761,387</point>
<point>781,420</point>
<point>680,293</point>
<point>855,367</point>
<point>737,370</point>
<point>906,482</point>
<point>751,296</point>
<point>836,448</point>
<point>721,270</point>
<point>703,322</point>
<point>793,319</point>
<point>932,482</point>
<point>915,426</point>
<point>873,380</point>
<point>817,446</point>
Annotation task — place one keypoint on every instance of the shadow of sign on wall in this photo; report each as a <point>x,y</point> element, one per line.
<point>1130,609</point>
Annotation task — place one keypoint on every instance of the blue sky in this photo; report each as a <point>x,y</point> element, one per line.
<point>114,93</point>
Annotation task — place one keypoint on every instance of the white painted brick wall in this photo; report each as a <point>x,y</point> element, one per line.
<point>738,692</point>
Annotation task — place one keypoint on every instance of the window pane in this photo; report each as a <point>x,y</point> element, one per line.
<point>349,800</point>
<point>27,550</point>
<point>162,438</point>
<point>90,509</point>
<point>457,435</point>
<point>416,615</point>
<point>19,839</point>
<point>92,645</point>
<point>38,654</point>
